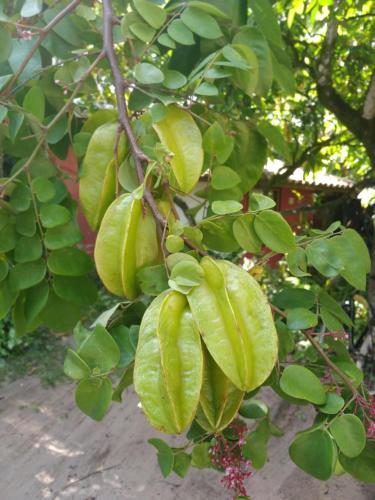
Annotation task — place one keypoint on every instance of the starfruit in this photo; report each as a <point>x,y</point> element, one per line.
<point>220,399</point>
<point>179,133</point>
<point>127,241</point>
<point>168,366</point>
<point>236,323</point>
<point>97,186</point>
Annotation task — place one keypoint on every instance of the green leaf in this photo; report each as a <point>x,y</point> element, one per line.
<point>363,466</point>
<point>207,89</point>
<point>349,434</point>
<point>201,457</point>
<point>26,275</point>
<point>206,7</point>
<point>174,243</point>
<point>201,23</point>
<point>16,119</point>
<point>259,201</point>
<point>275,139</point>
<point>246,78</point>
<point>126,339</point>
<point>5,44</point>
<point>217,235</point>
<point>185,275</point>
<point>333,404</point>
<point>226,207</point>
<point>152,280</point>
<point>256,41</point>
<point>93,397</point>
<point>351,370</point>
<point>255,447</point>
<point>58,130</point>
<point>154,15</point>
<point>59,315</point>
<point>75,367</point>
<point>143,32</point>
<point>330,321</point>
<point>315,453</point>
<point>4,268</point>
<point>326,259</point>
<point>167,41</point>
<point>253,408</point>
<point>224,178</point>
<point>62,236</point>
<point>7,238</point>
<point>35,300</point>
<point>78,290</point>
<point>300,318</point>
<point>266,19</point>
<point>54,215</point>
<point>291,298</point>
<point>3,109</point>
<point>31,8</point>
<point>28,249</point>
<point>100,351</point>
<point>301,383</point>
<point>21,49</point>
<point>334,308</point>
<point>34,102</point>
<point>80,143</point>
<point>297,262</point>
<point>286,340</point>
<point>4,80</point>
<point>165,456</point>
<point>174,79</point>
<point>125,381</point>
<point>181,463</point>
<point>243,230</point>
<point>43,189</point>
<point>69,262</point>
<point>217,143</point>
<point>147,73</point>
<point>7,298</point>
<point>180,33</point>
<point>25,223</point>
<point>356,258</point>
<point>20,199</point>
<point>274,231</point>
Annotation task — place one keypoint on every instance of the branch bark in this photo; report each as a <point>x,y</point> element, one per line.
<point>43,32</point>
<point>361,127</point>
<point>118,81</point>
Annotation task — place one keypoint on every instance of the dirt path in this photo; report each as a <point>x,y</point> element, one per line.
<point>49,450</point>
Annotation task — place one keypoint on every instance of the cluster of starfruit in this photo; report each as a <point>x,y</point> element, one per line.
<point>208,337</point>
<point>202,345</point>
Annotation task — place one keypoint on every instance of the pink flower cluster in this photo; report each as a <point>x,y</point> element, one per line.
<point>227,455</point>
<point>368,408</point>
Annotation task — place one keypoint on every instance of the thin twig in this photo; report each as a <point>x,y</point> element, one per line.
<point>43,32</point>
<point>98,471</point>
<point>138,155</point>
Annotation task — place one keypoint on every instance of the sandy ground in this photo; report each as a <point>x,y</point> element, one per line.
<point>49,450</point>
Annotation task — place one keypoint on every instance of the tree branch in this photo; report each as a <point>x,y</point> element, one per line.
<point>369,105</point>
<point>43,32</point>
<point>118,81</point>
<point>332,100</point>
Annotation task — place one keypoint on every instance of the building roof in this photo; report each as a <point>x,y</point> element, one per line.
<point>315,180</point>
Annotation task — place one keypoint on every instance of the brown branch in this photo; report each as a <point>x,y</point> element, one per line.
<point>138,155</point>
<point>43,32</point>
<point>369,104</point>
<point>332,100</point>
